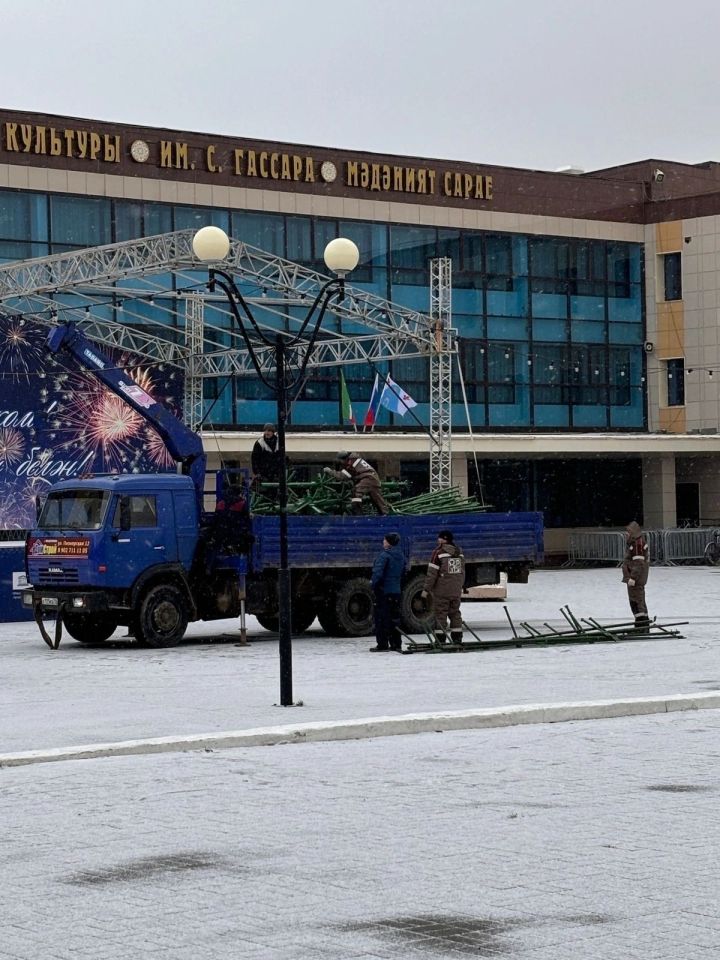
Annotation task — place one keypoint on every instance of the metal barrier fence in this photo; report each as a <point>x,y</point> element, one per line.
<point>667,547</point>
<point>685,545</point>
<point>656,545</point>
<point>596,547</point>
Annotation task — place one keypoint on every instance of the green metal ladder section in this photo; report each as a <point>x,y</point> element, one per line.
<point>580,630</point>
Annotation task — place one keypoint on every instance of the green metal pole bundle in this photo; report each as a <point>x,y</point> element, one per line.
<point>328,496</point>
<point>440,501</point>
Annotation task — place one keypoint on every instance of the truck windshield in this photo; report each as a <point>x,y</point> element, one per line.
<point>74,510</point>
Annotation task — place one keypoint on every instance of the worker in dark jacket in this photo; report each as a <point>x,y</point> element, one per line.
<point>635,569</point>
<point>364,479</point>
<point>444,582</point>
<point>386,583</point>
<point>265,458</point>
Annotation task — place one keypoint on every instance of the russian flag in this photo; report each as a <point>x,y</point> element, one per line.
<point>372,409</point>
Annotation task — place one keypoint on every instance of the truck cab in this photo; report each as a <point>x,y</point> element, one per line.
<point>102,544</point>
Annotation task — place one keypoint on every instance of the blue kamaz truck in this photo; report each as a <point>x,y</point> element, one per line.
<point>141,550</point>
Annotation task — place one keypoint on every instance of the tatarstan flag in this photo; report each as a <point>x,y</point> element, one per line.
<point>345,404</point>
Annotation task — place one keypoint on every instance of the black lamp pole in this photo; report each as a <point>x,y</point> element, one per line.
<point>282,390</point>
<point>284,584</point>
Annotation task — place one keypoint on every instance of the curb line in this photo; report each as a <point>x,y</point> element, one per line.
<point>367,728</point>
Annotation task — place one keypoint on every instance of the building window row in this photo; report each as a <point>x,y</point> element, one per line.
<point>547,325</point>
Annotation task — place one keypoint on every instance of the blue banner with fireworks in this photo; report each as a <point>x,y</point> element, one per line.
<point>57,421</point>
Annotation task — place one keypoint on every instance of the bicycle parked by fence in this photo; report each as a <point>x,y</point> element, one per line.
<point>712,550</point>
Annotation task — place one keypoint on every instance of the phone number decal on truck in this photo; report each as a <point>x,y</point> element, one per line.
<point>59,547</point>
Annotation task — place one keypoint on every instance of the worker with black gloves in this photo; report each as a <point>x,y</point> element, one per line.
<point>364,480</point>
<point>265,457</point>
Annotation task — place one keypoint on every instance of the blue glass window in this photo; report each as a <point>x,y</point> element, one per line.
<point>676,382</point>
<point>324,384</point>
<point>499,261</point>
<point>548,265</point>
<point>23,219</point>
<point>449,245</point>
<point>501,372</point>
<point>79,221</point>
<point>413,375</point>
<point>193,218</point>
<point>587,268</point>
<point>618,269</point>
<point>620,377</point>
<point>472,252</point>
<point>157,219</point>
<point>411,249</point>
<point>263,230</point>
<point>549,371</point>
<point>672,276</point>
<point>588,374</point>
<point>471,356</point>
<point>299,240</point>
<point>127,220</point>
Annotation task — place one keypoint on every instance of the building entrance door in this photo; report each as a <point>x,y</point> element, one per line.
<point>687,504</point>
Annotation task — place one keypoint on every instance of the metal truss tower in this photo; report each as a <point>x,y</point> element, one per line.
<point>194,342</point>
<point>441,374</point>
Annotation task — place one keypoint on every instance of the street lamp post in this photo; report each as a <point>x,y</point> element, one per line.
<point>211,245</point>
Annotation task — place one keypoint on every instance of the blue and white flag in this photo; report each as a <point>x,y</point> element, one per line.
<point>395,399</point>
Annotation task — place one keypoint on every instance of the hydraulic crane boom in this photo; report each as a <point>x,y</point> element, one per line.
<point>183,444</point>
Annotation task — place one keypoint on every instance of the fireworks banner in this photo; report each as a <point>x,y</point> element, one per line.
<point>58,422</point>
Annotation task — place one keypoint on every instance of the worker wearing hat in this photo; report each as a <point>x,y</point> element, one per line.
<point>364,480</point>
<point>265,457</point>
<point>386,584</point>
<point>444,582</point>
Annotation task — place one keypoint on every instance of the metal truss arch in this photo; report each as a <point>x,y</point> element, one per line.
<point>107,290</point>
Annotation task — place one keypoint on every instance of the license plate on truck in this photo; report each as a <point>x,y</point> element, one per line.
<point>49,601</point>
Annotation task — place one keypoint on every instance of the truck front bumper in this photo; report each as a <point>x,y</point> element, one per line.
<point>44,603</point>
<point>75,601</point>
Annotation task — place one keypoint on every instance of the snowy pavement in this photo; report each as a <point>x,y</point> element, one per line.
<point>80,695</point>
<point>578,841</point>
<point>593,840</point>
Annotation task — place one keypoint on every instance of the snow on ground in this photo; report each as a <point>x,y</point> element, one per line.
<point>591,841</point>
<point>120,690</point>
<point>587,840</point>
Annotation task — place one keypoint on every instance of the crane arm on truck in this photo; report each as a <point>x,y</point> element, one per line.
<point>183,444</point>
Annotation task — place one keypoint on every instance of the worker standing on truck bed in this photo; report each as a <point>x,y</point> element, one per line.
<point>444,581</point>
<point>364,479</point>
<point>265,457</point>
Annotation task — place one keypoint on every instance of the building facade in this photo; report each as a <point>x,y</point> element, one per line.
<point>585,304</point>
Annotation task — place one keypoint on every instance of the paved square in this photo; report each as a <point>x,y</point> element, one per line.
<point>582,840</point>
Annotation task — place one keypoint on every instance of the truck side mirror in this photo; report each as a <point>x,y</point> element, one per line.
<point>38,508</point>
<point>125,518</point>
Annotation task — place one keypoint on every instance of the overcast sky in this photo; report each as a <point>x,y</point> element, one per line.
<point>530,83</point>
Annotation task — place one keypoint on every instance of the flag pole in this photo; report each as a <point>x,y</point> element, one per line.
<point>391,388</point>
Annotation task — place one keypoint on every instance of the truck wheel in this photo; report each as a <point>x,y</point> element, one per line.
<point>88,628</point>
<point>350,609</point>
<point>415,613</point>
<point>302,617</point>
<point>163,617</point>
